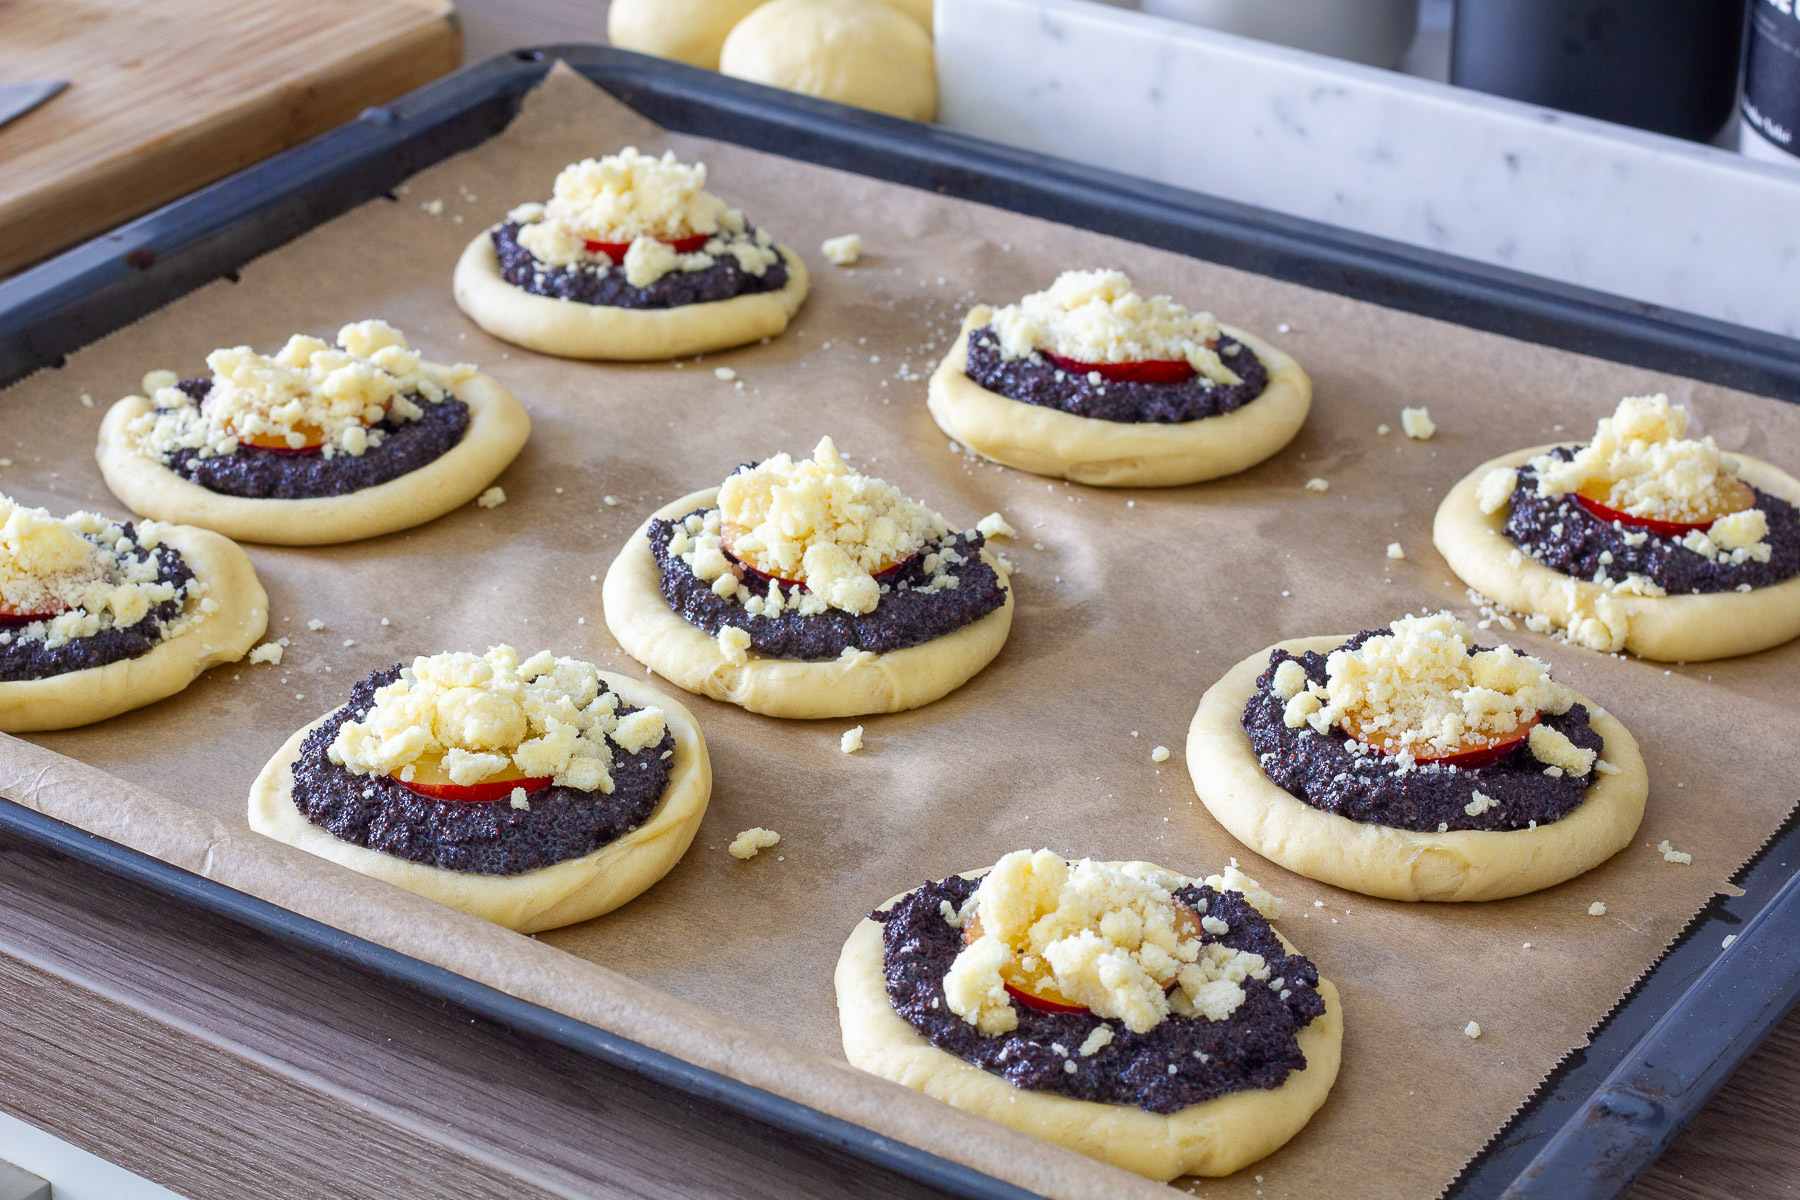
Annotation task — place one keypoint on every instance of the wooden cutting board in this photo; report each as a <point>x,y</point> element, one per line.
<point>168,95</point>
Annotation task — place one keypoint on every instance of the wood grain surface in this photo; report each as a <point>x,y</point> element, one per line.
<point>168,95</point>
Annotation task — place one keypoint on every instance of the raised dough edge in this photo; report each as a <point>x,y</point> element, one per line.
<point>569,329</point>
<point>1047,441</point>
<point>225,635</point>
<point>1400,864</point>
<point>562,894</point>
<point>1215,1137</point>
<point>498,427</point>
<point>1660,628</point>
<point>654,634</point>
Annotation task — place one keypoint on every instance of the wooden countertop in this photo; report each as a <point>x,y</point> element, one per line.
<point>168,95</point>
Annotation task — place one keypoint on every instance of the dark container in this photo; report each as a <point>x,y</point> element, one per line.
<point>1670,66</point>
<point>1771,105</point>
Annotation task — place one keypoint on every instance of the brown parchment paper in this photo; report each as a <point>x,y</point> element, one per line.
<point>1129,605</point>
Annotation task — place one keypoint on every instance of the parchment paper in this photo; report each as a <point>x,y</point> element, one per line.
<point>1130,604</point>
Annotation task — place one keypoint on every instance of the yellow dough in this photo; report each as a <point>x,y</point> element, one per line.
<point>689,31</point>
<point>919,10</point>
<point>1399,864</point>
<point>1048,441</point>
<point>562,894</point>
<point>687,656</point>
<point>1663,628</point>
<point>498,427</point>
<point>221,636</point>
<point>1216,1137</point>
<point>859,52</point>
<point>569,329</point>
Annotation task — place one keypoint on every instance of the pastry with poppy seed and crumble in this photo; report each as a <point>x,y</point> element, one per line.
<point>1092,382</point>
<point>807,589</point>
<point>532,794</point>
<point>98,617</point>
<point>314,445</point>
<point>1643,540</point>
<point>1413,764</point>
<point>630,259</point>
<point>1152,1021</point>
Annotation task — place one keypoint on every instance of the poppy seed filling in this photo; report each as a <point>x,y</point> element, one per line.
<point>1180,1062</point>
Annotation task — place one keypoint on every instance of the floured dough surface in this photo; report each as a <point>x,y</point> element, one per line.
<point>1216,1137</point>
<point>1048,441</point>
<point>569,329</point>
<point>212,639</point>
<point>689,31</point>
<point>859,52</point>
<point>1663,628</point>
<point>562,894</point>
<point>498,427</point>
<point>851,685</point>
<point>921,11</point>
<point>1399,864</point>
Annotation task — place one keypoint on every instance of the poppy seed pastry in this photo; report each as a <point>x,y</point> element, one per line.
<point>631,259</point>
<point>1092,382</point>
<point>807,589</point>
<point>533,793</point>
<point>99,617</point>
<point>1155,1022</point>
<point>314,445</point>
<point>1642,540</point>
<point>1411,764</point>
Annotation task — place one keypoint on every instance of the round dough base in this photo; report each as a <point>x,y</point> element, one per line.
<point>1216,1137</point>
<point>221,636</point>
<point>569,329</point>
<point>578,889</point>
<point>654,634</point>
<point>1048,441</point>
<point>1399,864</point>
<point>498,427</point>
<point>1661,628</point>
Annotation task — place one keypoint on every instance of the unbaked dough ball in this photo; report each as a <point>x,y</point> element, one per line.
<point>918,10</point>
<point>857,52</point>
<point>689,31</point>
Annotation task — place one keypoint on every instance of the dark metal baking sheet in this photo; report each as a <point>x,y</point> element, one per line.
<point>1605,1113</point>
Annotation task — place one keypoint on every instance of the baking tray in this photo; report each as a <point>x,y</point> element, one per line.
<point>1603,1115</point>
